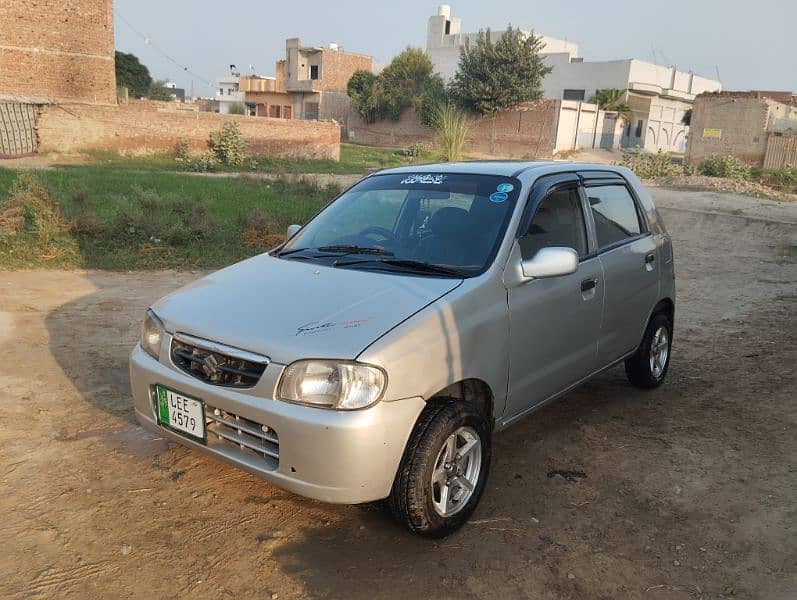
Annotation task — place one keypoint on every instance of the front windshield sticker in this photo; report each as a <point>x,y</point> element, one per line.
<point>499,197</point>
<point>424,179</point>
<point>505,188</point>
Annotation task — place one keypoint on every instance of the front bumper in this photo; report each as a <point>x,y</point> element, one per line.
<point>333,456</point>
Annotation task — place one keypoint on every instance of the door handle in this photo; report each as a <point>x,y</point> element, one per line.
<point>650,258</point>
<point>588,284</point>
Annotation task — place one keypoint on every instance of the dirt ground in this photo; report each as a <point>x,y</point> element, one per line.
<point>690,490</point>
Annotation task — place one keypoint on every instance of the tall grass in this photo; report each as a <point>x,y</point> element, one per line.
<point>453,128</point>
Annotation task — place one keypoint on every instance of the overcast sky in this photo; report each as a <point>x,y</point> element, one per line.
<point>750,43</point>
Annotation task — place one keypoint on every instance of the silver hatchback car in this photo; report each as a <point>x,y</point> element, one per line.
<point>373,355</point>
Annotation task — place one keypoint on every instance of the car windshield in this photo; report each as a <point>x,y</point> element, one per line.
<point>432,224</point>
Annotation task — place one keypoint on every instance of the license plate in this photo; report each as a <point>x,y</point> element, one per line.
<point>186,415</point>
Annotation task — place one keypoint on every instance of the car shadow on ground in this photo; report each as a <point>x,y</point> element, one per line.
<point>545,474</point>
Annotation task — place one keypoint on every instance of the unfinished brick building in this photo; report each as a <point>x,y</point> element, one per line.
<point>58,51</point>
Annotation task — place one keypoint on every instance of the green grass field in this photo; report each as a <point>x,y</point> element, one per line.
<point>353,160</point>
<point>111,218</point>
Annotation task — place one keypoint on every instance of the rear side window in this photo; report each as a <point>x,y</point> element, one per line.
<point>615,214</point>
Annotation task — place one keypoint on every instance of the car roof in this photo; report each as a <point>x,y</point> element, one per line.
<point>502,168</point>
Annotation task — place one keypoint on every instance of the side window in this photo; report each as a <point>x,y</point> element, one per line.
<point>615,214</point>
<point>559,221</point>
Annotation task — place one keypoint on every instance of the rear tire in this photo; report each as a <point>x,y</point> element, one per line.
<point>648,367</point>
<point>444,469</point>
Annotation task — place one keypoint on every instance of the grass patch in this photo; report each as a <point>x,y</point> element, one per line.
<point>354,160</point>
<point>118,219</point>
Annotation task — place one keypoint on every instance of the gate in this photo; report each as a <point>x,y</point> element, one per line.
<point>17,129</point>
<point>781,151</point>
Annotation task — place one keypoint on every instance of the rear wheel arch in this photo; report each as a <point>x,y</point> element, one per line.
<point>666,307</point>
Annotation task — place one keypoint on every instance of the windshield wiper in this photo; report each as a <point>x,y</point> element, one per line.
<point>404,263</point>
<point>338,250</point>
<point>350,249</point>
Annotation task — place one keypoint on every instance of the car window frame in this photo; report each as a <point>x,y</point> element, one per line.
<point>540,190</point>
<point>617,180</point>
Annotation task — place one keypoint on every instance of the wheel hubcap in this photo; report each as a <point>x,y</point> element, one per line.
<point>659,351</point>
<point>456,471</point>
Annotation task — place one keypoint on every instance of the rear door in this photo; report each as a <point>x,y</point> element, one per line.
<point>554,322</point>
<point>628,255</point>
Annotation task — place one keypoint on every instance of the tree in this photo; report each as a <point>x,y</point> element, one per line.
<point>613,100</point>
<point>159,91</point>
<point>687,118</point>
<point>130,73</point>
<point>364,98</point>
<point>495,76</point>
<point>408,81</point>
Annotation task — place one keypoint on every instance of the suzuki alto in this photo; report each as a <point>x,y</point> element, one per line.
<point>374,354</point>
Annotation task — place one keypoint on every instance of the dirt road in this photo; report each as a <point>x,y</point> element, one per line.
<point>690,490</point>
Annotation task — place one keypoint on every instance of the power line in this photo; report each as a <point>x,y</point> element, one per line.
<point>148,41</point>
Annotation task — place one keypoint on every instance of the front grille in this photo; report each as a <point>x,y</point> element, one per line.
<point>252,437</point>
<point>215,363</point>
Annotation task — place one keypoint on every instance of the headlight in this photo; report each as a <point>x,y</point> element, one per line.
<point>151,334</point>
<point>332,384</point>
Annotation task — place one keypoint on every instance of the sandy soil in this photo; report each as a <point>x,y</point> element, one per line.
<point>690,490</point>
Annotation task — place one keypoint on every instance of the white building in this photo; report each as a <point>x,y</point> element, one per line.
<point>444,39</point>
<point>228,92</point>
<point>659,96</point>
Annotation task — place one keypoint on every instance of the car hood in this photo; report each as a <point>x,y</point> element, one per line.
<point>287,309</point>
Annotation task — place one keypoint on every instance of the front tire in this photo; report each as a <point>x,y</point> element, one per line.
<point>648,367</point>
<point>444,469</point>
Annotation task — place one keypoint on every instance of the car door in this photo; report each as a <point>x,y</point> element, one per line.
<point>554,322</point>
<point>628,255</point>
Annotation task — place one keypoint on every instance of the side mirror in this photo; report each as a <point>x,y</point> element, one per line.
<point>292,231</point>
<point>551,262</point>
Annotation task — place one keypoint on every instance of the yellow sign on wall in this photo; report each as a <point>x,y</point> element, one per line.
<point>712,134</point>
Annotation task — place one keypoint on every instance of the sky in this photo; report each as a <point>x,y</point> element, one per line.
<point>750,44</point>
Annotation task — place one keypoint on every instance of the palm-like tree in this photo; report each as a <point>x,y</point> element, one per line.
<point>614,100</point>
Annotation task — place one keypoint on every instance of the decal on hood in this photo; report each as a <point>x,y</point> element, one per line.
<point>321,327</point>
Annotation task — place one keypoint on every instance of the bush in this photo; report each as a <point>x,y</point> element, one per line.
<point>30,208</point>
<point>228,145</point>
<point>650,166</point>
<point>782,179</point>
<point>453,127</point>
<point>724,166</point>
<point>237,108</point>
<point>417,150</point>
<point>260,230</point>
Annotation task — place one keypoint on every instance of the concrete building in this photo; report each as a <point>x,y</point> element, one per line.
<point>659,96</point>
<point>317,77</point>
<point>266,96</point>
<point>228,92</point>
<point>444,39</point>
<point>757,127</point>
<point>309,83</point>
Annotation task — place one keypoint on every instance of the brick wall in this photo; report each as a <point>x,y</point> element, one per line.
<point>337,67</point>
<point>526,131</point>
<point>58,50</point>
<point>143,127</point>
<point>742,122</point>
